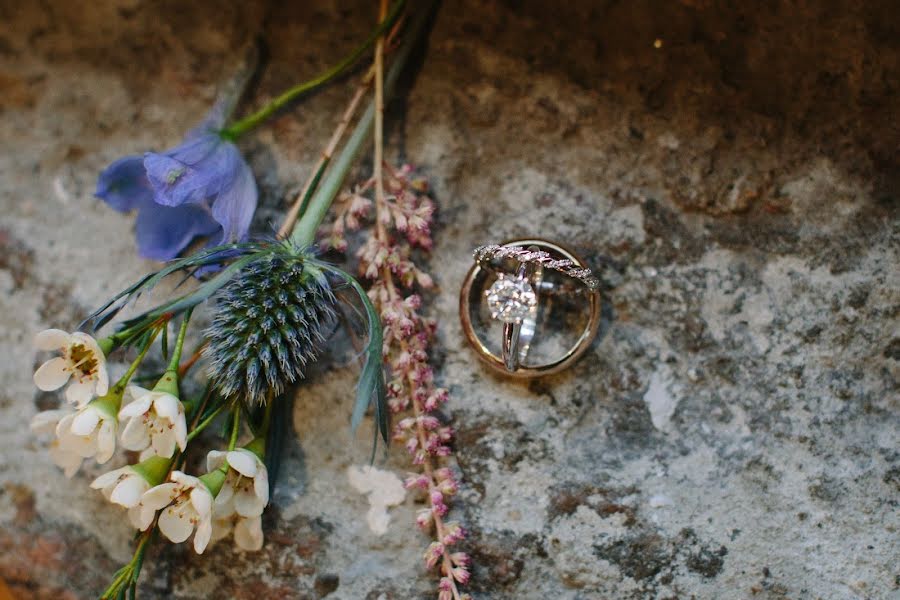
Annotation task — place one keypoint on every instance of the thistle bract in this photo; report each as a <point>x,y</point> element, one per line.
<point>267,326</point>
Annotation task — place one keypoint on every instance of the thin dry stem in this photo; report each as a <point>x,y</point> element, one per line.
<point>379,125</point>
<point>327,153</point>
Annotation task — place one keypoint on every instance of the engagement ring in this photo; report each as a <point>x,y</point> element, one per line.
<point>511,280</point>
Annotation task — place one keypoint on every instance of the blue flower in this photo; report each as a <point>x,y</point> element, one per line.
<point>202,187</point>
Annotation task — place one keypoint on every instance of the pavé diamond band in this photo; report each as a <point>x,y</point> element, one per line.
<point>516,272</point>
<point>534,254</point>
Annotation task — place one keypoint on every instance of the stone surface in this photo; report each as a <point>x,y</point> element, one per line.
<point>731,172</point>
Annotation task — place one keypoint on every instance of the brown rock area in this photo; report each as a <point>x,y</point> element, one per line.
<point>730,169</point>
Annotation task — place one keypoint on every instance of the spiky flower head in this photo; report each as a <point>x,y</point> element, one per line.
<point>267,325</point>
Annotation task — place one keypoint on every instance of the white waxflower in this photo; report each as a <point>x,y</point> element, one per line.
<point>125,487</point>
<point>248,533</point>
<point>88,432</point>
<point>246,488</point>
<point>155,421</point>
<point>81,360</point>
<point>186,504</point>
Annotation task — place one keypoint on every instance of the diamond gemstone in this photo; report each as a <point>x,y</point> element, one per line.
<point>510,299</point>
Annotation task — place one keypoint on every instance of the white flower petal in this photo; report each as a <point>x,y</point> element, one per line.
<point>66,460</point>
<point>88,341</point>
<point>85,421</point>
<point>220,529</point>
<point>215,459</point>
<point>166,405</point>
<point>184,480</point>
<point>248,534</point>
<point>84,446</point>
<point>136,408</point>
<point>163,444</point>
<point>159,496</point>
<point>64,427</point>
<point>128,492</point>
<point>243,461</point>
<point>134,517</point>
<point>135,435</point>
<point>223,505</point>
<point>202,500</point>
<point>102,379</point>
<point>52,375</point>
<point>51,339</point>
<point>201,538</point>
<point>141,516</point>
<point>106,441</point>
<point>175,524</point>
<point>45,422</point>
<point>261,485</point>
<point>80,392</point>
<point>133,392</point>
<point>248,505</point>
<point>180,431</point>
<point>109,478</point>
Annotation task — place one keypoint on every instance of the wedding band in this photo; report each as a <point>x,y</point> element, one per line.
<point>520,269</point>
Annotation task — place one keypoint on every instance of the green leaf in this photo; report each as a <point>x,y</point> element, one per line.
<point>204,291</point>
<point>215,255</point>
<point>371,388</point>
<point>165,342</point>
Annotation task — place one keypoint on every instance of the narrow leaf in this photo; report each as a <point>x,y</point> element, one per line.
<point>371,387</point>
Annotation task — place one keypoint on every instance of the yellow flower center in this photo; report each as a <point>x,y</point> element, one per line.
<point>83,359</point>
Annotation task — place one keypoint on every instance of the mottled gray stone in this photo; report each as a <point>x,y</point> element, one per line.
<point>732,433</point>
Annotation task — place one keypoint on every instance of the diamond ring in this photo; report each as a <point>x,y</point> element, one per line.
<point>519,283</point>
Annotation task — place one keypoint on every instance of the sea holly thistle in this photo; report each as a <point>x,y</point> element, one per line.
<point>272,304</point>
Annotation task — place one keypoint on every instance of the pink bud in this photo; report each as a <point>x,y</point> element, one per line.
<point>429,422</point>
<point>416,481</point>
<point>424,519</point>
<point>460,574</point>
<point>433,554</point>
<point>442,474</point>
<point>461,559</point>
<point>448,487</point>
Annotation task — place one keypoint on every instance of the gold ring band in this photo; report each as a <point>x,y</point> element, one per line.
<point>470,296</point>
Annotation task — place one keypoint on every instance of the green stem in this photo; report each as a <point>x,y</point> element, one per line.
<point>179,343</point>
<point>120,385</point>
<point>203,424</point>
<point>305,231</point>
<point>247,123</point>
<point>267,420</point>
<point>235,428</point>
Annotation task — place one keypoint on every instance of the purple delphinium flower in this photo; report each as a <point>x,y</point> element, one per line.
<point>161,232</point>
<point>202,187</point>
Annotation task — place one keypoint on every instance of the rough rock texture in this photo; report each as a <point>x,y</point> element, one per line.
<point>733,433</point>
